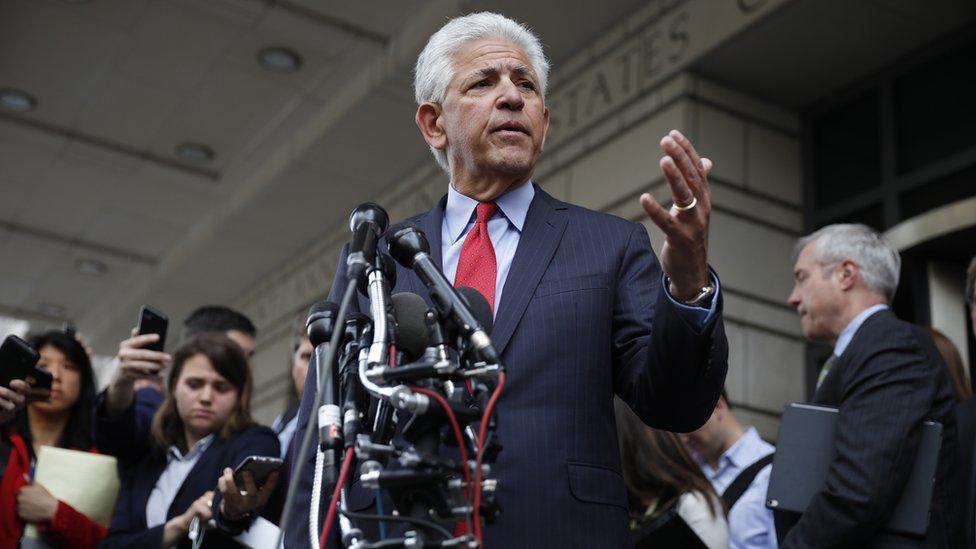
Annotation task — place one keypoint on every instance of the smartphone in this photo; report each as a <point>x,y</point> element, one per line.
<point>152,321</point>
<point>260,467</point>
<point>18,360</point>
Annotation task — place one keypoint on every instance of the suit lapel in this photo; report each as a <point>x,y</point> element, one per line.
<point>202,474</point>
<point>144,480</point>
<point>543,229</point>
<point>430,223</point>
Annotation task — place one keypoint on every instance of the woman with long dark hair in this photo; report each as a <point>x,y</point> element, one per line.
<point>63,421</point>
<point>201,431</point>
<point>662,478</point>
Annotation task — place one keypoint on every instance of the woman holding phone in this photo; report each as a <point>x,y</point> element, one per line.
<point>202,430</point>
<point>62,420</point>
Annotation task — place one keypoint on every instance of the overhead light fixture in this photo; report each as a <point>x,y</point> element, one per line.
<point>52,309</point>
<point>279,59</point>
<point>195,152</point>
<point>91,267</point>
<point>16,100</point>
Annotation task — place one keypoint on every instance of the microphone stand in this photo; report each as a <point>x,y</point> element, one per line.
<point>306,443</point>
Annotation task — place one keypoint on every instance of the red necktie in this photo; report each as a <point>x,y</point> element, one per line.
<point>476,266</point>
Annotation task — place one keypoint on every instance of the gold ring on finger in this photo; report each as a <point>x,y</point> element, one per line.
<point>690,205</point>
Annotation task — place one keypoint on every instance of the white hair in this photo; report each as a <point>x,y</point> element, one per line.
<point>435,65</point>
<point>878,261</point>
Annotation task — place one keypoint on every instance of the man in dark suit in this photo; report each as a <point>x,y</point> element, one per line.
<point>886,377</point>
<point>583,308</point>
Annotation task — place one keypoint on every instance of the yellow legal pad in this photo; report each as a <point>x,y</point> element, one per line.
<point>88,482</point>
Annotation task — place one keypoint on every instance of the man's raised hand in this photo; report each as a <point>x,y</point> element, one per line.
<point>684,256</point>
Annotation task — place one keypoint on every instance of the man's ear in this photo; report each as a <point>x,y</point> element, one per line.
<point>429,121</point>
<point>847,274</point>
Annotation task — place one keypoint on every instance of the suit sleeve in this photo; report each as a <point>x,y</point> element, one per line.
<point>126,530</point>
<point>887,395</point>
<point>126,437</point>
<point>297,534</point>
<point>669,371</point>
<point>256,441</point>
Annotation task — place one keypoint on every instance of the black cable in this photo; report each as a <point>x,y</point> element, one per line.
<point>412,520</point>
<point>299,463</point>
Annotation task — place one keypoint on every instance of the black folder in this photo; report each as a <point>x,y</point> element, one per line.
<point>805,448</point>
<point>666,530</point>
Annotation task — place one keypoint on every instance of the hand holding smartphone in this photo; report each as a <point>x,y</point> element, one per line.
<point>18,360</point>
<point>260,468</point>
<point>152,321</point>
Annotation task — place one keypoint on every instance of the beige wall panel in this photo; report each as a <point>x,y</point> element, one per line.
<point>774,370</point>
<point>735,380</point>
<point>766,426</point>
<point>720,137</point>
<point>774,164</point>
<point>751,257</point>
<point>625,165</point>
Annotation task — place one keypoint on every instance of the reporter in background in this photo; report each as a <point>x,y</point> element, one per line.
<point>966,414</point>
<point>886,378</point>
<point>660,475</point>
<point>954,366</point>
<point>202,430</point>
<point>139,372</point>
<point>218,318</point>
<point>737,463</point>
<point>301,353</point>
<point>63,421</point>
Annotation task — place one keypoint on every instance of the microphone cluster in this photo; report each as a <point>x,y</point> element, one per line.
<point>407,392</point>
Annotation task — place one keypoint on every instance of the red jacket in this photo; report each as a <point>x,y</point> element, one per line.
<point>68,528</point>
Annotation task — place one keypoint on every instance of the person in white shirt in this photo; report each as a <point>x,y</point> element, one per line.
<point>737,462</point>
<point>662,479</point>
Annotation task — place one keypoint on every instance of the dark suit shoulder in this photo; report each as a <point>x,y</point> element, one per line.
<point>589,220</point>
<point>883,332</point>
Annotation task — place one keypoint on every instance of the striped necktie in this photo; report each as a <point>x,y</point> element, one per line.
<point>825,369</point>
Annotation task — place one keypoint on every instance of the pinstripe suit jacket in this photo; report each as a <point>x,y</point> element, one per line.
<point>582,318</point>
<point>888,380</point>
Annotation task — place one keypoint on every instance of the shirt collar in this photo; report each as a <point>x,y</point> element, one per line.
<point>844,339</point>
<point>514,205</point>
<point>739,453</point>
<point>198,448</point>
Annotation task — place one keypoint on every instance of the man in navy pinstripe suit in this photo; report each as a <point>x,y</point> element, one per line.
<point>583,307</point>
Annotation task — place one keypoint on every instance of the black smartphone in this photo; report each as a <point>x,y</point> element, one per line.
<point>18,360</point>
<point>152,321</point>
<point>259,466</point>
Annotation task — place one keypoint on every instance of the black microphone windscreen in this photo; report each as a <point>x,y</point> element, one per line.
<point>318,309</point>
<point>410,310</point>
<point>369,212</point>
<point>321,321</point>
<point>405,240</point>
<point>479,307</point>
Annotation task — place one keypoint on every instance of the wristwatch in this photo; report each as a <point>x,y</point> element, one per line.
<point>700,299</point>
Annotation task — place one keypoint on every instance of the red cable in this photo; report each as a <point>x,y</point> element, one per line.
<point>482,435</point>
<point>456,427</point>
<point>334,502</point>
